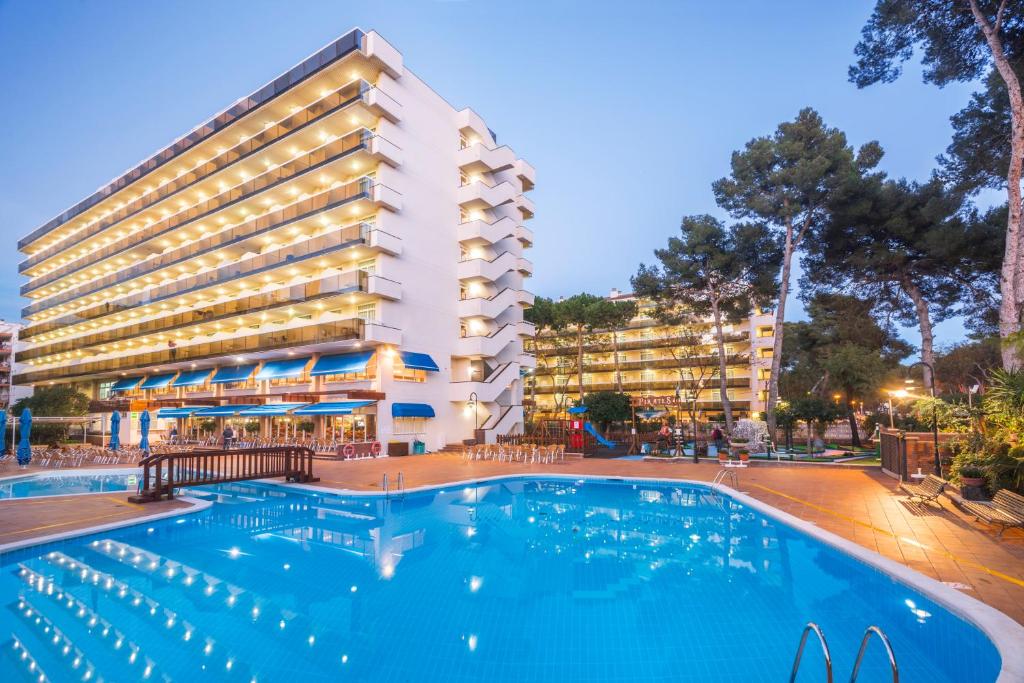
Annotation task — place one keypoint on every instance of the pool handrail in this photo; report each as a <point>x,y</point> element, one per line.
<point>888,651</point>
<point>811,626</point>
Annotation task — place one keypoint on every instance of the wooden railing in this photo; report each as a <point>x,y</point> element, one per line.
<point>164,472</point>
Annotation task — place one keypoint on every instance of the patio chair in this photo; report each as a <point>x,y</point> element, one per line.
<point>1005,510</point>
<point>928,491</point>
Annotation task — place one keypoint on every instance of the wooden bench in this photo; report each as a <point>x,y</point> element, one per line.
<point>927,491</point>
<point>1005,510</point>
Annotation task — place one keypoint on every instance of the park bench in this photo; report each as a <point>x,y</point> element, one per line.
<point>927,491</point>
<point>1005,510</point>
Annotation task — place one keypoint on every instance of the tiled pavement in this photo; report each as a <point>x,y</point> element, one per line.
<point>858,504</point>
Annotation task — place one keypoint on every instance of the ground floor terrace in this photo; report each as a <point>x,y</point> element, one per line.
<point>861,505</point>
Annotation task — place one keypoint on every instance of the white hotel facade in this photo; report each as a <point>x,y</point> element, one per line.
<point>341,244</point>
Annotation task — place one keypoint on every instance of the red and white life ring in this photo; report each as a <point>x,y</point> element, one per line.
<point>348,450</point>
<point>375,448</point>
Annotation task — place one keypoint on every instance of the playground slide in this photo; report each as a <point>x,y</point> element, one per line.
<point>597,435</point>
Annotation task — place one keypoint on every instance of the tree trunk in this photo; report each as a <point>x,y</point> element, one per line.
<point>723,380</point>
<point>1011,278</point>
<point>579,361</point>
<point>780,316</point>
<point>924,322</point>
<point>534,380</point>
<point>854,432</point>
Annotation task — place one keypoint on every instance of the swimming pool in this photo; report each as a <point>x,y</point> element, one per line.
<point>522,579</point>
<point>60,483</point>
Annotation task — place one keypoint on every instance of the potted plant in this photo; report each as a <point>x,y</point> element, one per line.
<point>972,474</point>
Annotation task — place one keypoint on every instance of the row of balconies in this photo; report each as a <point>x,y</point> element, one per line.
<point>632,345</point>
<point>482,232</point>
<point>369,100</point>
<point>365,197</point>
<point>149,249</point>
<point>632,384</point>
<point>492,269</point>
<point>660,363</point>
<point>298,335</point>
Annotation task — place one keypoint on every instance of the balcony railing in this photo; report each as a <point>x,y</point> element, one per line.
<point>344,96</point>
<point>324,154</point>
<point>637,344</point>
<point>661,363</point>
<point>316,333</point>
<point>295,212</point>
<point>711,384</point>
<point>352,281</point>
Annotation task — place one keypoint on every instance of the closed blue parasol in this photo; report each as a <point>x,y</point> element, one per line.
<point>3,431</point>
<point>24,449</point>
<point>144,428</point>
<point>115,429</point>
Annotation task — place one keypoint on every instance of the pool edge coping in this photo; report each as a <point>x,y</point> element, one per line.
<point>1005,634</point>
<point>52,474</point>
<point>194,505</point>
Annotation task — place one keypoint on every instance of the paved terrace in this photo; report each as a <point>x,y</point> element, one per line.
<point>859,504</point>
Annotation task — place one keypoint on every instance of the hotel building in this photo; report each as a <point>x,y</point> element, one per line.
<point>341,247</point>
<point>656,360</point>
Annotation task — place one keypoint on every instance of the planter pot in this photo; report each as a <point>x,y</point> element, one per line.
<point>972,481</point>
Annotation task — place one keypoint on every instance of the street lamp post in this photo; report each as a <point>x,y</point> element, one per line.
<point>935,419</point>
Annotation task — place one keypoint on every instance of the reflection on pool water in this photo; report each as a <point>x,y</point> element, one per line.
<point>57,484</point>
<point>517,580</point>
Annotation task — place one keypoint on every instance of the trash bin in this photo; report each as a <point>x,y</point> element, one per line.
<point>418,447</point>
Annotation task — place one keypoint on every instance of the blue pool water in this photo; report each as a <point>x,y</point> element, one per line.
<point>518,580</point>
<point>62,485</point>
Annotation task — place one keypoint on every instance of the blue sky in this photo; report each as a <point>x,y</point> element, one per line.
<point>628,110</point>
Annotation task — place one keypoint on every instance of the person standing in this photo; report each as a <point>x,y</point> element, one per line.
<point>173,435</point>
<point>229,436</point>
<point>718,437</point>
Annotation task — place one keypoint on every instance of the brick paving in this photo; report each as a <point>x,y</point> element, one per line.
<point>859,504</point>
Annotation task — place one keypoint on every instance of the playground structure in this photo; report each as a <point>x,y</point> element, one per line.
<point>576,427</point>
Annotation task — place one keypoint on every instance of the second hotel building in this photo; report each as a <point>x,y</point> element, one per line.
<point>342,246</point>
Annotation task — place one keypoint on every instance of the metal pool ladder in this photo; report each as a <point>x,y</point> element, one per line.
<point>401,484</point>
<point>811,626</point>
<point>721,476</point>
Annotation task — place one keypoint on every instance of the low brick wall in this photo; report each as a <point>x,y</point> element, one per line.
<point>919,449</point>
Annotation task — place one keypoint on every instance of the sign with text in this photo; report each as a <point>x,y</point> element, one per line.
<point>648,401</point>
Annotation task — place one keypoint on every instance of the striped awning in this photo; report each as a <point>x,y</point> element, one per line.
<point>233,373</point>
<point>184,411</point>
<point>335,408</point>
<point>418,361</point>
<point>281,369</point>
<point>192,379</point>
<point>271,409</point>
<point>411,410</point>
<point>342,363</point>
<point>158,381</point>
<point>222,411</point>
<point>126,383</point>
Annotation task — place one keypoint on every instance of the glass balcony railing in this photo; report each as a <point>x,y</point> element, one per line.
<point>205,210</point>
<point>299,210</point>
<point>315,111</point>
<point>352,281</point>
<point>314,333</point>
<point>341,47</point>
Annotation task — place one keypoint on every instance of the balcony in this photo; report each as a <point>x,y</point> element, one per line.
<point>479,195</point>
<point>381,104</point>
<point>492,307</point>
<point>383,196</point>
<point>212,314</point>
<point>382,54</point>
<point>487,390</point>
<point>490,345</point>
<point>482,232</point>
<point>638,344</point>
<point>482,269</point>
<point>318,333</point>
<point>524,235</point>
<point>384,288</point>
<point>524,266</point>
<point>525,206</point>
<point>384,242</point>
<point>478,158</point>
<point>526,174</point>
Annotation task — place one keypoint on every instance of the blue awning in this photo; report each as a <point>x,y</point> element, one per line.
<point>192,379</point>
<point>577,410</point>
<point>126,383</point>
<point>232,373</point>
<point>177,412</point>
<point>335,408</point>
<point>157,381</point>
<point>222,411</point>
<point>418,361</point>
<point>280,369</point>
<point>342,363</point>
<point>411,410</point>
<point>271,409</point>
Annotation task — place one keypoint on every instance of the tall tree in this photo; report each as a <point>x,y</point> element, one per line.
<point>612,316</point>
<point>711,271</point>
<point>544,316</point>
<point>787,181</point>
<point>962,40</point>
<point>581,314</point>
<point>908,247</point>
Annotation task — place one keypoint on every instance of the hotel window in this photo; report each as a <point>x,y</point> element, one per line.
<point>367,312</point>
<point>463,142</point>
<point>410,425</point>
<point>647,355</point>
<point>195,387</point>
<point>369,266</point>
<point>463,179</point>
<point>368,374</point>
<point>403,374</point>
<point>647,376</point>
<point>764,373</point>
<point>766,331</point>
<point>104,391</point>
<point>765,352</point>
<point>290,381</point>
<point>464,216</point>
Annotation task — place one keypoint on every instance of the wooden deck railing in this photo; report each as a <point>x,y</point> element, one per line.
<point>164,472</point>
